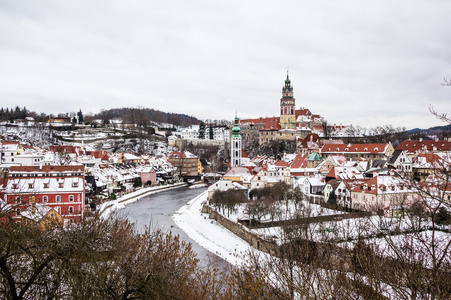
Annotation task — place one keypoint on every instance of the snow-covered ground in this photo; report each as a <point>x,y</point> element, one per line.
<point>283,212</point>
<point>209,233</point>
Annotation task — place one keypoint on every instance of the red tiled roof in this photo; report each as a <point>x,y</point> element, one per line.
<point>354,148</point>
<point>311,137</point>
<point>299,162</point>
<point>302,112</point>
<point>67,149</point>
<point>46,169</point>
<point>177,154</point>
<point>272,124</point>
<point>9,143</point>
<point>259,120</point>
<point>282,163</point>
<point>102,154</point>
<point>414,146</point>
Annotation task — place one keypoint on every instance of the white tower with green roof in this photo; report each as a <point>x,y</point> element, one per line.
<point>235,141</point>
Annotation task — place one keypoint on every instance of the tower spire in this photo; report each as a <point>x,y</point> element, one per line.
<point>235,153</point>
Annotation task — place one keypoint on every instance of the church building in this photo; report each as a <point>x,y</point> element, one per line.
<point>235,143</point>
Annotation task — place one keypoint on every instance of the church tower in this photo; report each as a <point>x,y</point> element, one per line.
<point>235,143</point>
<point>287,106</point>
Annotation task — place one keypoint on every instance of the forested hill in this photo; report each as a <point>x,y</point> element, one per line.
<point>146,116</point>
<point>140,116</point>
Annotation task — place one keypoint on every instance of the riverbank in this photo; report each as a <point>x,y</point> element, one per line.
<point>210,234</point>
<point>108,207</point>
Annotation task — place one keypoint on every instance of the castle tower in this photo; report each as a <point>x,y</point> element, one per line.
<point>287,106</point>
<point>235,143</point>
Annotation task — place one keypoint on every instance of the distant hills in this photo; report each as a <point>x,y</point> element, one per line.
<point>146,116</point>
<point>432,131</point>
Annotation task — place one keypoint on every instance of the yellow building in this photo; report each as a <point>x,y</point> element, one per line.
<point>45,216</point>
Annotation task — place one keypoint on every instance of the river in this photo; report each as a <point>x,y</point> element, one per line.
<point>156,210</point>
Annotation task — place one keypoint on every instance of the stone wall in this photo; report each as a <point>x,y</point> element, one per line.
<point>242,232</point>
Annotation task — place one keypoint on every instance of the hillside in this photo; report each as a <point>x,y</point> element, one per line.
<point>145,116</point>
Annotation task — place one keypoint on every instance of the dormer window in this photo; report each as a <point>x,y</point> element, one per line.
<point>15,186</point>
<point>30,185</point>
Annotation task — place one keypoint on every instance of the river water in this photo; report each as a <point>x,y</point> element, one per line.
<point>156,210</point>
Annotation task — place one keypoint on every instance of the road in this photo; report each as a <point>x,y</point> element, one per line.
<point>156,210</point>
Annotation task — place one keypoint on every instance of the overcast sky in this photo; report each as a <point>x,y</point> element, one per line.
<point>353,62</point>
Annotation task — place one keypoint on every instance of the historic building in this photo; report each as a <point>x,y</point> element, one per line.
<point>287,106</point>
<point>235,145</point>
<point>359,151</point>
<point>187,164</point>
<point>291,124</point>
<point>61,188</point>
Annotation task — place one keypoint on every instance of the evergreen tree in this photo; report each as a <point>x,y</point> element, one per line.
<point>80,116</point>
<point>211,131</point>
<point>202,130</point>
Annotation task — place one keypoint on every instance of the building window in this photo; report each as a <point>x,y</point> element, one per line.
<point>46,185</point>
<point>60,185</point>
<point>71,210</point>
<point>71,197</point>
<point>18,212</point>
<point>15,186</point>
<point>58,198</point>
<point>17,199</point>
<point>45,198</point>
<point>75,184</point>
<point>32,199</point>
<point>30,185</point>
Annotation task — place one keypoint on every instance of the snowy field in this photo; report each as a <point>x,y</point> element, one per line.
<point>283,211</point>
<point>347,229</point>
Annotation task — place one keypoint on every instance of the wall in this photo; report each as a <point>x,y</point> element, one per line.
<point>242,232</point>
